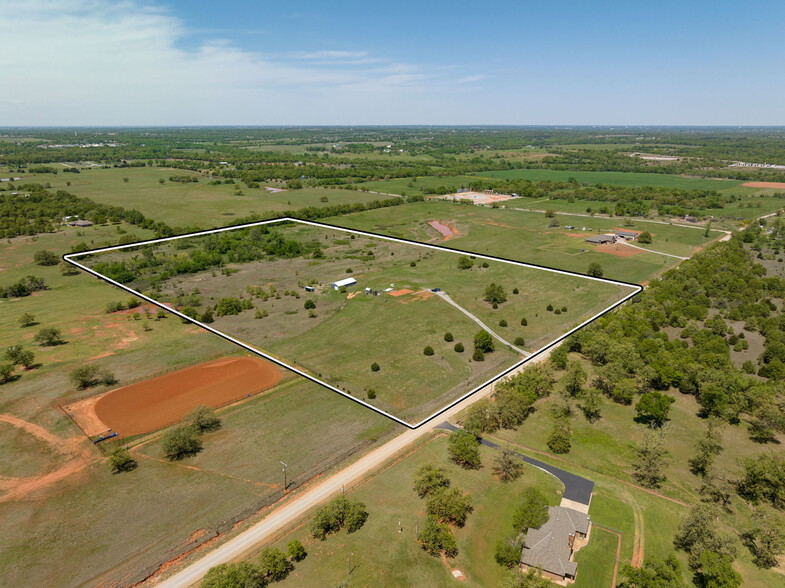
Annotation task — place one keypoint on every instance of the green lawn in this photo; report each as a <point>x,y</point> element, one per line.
<point>526,236</point>
<point>380,555</point>
<point>191,204</point>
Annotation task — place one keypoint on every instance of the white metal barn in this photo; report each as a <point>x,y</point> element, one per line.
<point>346,282</point>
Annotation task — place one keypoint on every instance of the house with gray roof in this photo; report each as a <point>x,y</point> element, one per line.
<point>601,239</point>
<point>628,235</point>
<point>551,547</point>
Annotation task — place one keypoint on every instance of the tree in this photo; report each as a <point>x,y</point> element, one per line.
<point>19,356</point>
<point>765,540</point>
<point>650,460</point>
<point>309,304</point>
<point>449,505</point>
<point>295,550</point>
<point>507,465</point>
<point>533,578</point>
<point>228,306</point>
<point>121,460</point>
<point>763,479</point>
<point>494,294</point>
<point>653,408</point>
<point>341,512</point>
<point>181,442</point>
<point>90,375</point>
<point>483,341</point>
<point>508,552</point>
<point>699,531</point>
<point>590,404</point>
<point>707,448</point>
<point>436,538</point>
<point>532,512</point>
<point>274,565</point>
<point>44,257</point>
<point>464,449</point>
<point>716,571</point>
<point>375,367</point>
<point>26,320</point>
<point>480,418</point>
<point>49,337</point>
<point>203,419</point>
<point>235,575</point>
<point>655,573</point>
<point>465,263</point>
<point>645,238</point>
<point>429,479</point>
<point>559,439</point>
<point>595,270</point>
<point>6,372</point>
<point>428,350</point>
<point>718,485</point>
<point>574,379</point>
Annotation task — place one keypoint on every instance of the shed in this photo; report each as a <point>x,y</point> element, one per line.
<point>601,239</point>
<point>627,235</point>
<point>346,282</point>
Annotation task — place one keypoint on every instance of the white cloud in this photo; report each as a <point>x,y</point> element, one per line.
<point>112,62</point>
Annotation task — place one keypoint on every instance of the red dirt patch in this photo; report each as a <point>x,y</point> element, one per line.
<point>780,185</point>
<point>422,295</point>
<point>618,249</point>
<point>445,230</point>
<point>75,448</point>
<point>401,292</point>
<point>164,400</point>
<point>628,231</point>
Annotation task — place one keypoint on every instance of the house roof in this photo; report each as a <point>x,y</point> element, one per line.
<point>82,223</point>
<point>627,233</point>
<point>600,238</point>
<point>548,547</point>
<point>345,282</point>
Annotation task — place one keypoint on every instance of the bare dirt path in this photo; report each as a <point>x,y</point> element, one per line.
<point>444,296</point>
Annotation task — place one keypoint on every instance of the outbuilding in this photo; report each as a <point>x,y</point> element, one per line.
<point>601,239</point>
<point>345,283</point>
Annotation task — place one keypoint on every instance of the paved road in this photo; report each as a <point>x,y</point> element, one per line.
<point>444,296</point>
<point>576,488</point>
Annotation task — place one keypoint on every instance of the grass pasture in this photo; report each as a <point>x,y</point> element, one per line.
<point>190,204</point>
<point>526,236</point>
<point>348,332</point>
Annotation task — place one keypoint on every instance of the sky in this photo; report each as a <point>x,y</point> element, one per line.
<point>346,62</point>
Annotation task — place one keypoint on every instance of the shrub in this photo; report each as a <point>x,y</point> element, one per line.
<point>464,263</point>
<point>458,347</point>
<point>49,337</point>
<point>549,308</point>
<point>524,322</point>
<point>495,294</point>
<point>309,304</point>
<point>228,306</point>
<point>371,393</point>
<point>483,341</point>
<point>120,460</point>
<point>478,355</point>
<point>448,337</point>
<point>519,341</point>
<point>43,257</point>
<point>502,323</point>
<point>26,320</point>
<point>375,367</point>
<point>515,290</point>
<point>181,442</point>
<point>428,350</point>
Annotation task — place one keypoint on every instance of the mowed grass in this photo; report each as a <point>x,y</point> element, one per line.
<point>379,555</point>
<point>191,204</point>
<point>526,236</point>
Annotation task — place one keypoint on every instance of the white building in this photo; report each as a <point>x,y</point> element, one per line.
<point>345,283</point>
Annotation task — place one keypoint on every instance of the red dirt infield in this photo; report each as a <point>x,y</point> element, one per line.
<point>764,184</point>
<point>149,405</point>
<point>618,249</point>
<point>401,292</point>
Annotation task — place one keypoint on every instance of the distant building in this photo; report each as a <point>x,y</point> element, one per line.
<point>601,239</point>
<point>81,223</point>
<point>628,235</point>
<point>551,547</point>
<point>309,288</point>
<point>345,283</point>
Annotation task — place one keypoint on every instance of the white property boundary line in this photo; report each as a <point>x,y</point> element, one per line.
<point>70,258</point>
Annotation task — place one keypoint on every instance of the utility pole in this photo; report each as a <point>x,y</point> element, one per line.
<point>284,477</point>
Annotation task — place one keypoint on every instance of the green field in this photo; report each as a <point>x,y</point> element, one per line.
<point>349,331</point>
<point>525,236</point>
<point>191,204</point>
<point>127,523</point>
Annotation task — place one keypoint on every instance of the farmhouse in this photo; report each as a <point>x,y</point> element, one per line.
<point>81,223</point>
<point>627,235</point>
<point>345,283</point>
<point>601,239</point>
<point>551,547</point>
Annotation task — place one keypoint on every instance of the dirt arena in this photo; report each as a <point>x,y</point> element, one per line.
<point>777,185</point>
<point>152,404</point>
<point>478,197</point>
<point>618,249</point>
